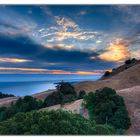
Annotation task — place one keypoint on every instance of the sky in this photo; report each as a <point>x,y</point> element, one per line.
<point>67,39</point>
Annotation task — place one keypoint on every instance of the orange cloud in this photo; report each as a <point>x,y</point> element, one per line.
<point>58,72</point>
<point>54,46</point>
<point>22,69</point>
<point>76,35</point>
<point>86,72</point>
<point>61,46</point>
<point>117,51</point>
<point>13,60</point>
<point>46,71</point>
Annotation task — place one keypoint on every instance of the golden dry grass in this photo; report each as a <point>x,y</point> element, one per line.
<point>126,79</point>
<point>132,101</point>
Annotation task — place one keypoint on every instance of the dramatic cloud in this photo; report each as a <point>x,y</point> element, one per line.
<point>76,35</point>
<point>13,60</point>
<point>22,69</point>
<point>59,46</point>
<point>66,23</point>
<point>14,24</point>
<point>67,39</point>
<point>117,51</point>
<point>44,71</point>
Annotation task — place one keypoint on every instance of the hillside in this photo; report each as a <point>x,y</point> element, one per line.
<point>7,101</point>
<point>125,79</point>
<point>126,83</point>
<point>127,64</point>
<point>132,101</point>
<point>75,107</point>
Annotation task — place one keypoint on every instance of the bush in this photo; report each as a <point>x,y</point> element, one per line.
<point>65,93</point>
<point>26,104</point>
<point>3,95</point>
<point>66,88</point>
<point>106,107</point>
<point>129,61</point>
<point>104,129</point>
<point>107,73</point>
<point>53,99</point>
<point>123,121</point>
<point>81,95</point>
<point>52,123</point>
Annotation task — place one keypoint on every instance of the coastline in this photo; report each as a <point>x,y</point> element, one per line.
<point>5,102</point>
<point>40,95</point>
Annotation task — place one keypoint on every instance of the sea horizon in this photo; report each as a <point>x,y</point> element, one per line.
<point>29,84</point>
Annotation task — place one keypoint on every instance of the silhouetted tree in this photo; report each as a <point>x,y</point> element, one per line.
<point>107,73</point>
<point>82,93</point>
<point>3,95</point>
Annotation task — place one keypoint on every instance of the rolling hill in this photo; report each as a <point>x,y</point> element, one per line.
<point>125,79</point>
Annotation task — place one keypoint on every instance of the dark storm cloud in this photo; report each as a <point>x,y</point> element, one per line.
<point>23,47</point>
<point>17,46</point>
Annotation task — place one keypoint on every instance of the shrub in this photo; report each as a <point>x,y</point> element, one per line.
<point>107,73</point>
<point>3,95</point>
<point>82,93</point>
<point>26,104</point>
<point>106,107</point>
<point>52,123</point>
<point>129,61</point>
<point>65,93</point>
<point>53,99</point>
<point>104,129</point>
<point>65,88</point>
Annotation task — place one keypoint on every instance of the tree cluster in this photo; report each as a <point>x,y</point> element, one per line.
<point>65,93</point>
<point>26,104</point>
<point>129,61</point>
<point>52,123</point>
<point>107,111</point>
<point>3,95</point>
<point>106,107</point>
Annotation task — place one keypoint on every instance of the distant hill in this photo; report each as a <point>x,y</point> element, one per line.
<point>127,64</point>
<point>125,76</point>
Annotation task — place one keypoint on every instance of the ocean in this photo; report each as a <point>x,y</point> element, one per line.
<point>28,84</point>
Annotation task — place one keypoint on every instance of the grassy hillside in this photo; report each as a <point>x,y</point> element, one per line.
<point>124,79</point>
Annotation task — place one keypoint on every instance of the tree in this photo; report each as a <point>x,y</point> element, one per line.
<point>3,95</point>
<point>128,61</point>
<point>52,123</point>
<point>65,93</point>
<point>82,93</point>
<point>65,88</point>
<point>131,60</point>
<point>26,104</point>
<point>123,121</point>
<point>53,99</point>
<point>107,73</point>
<point>106,107</point>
